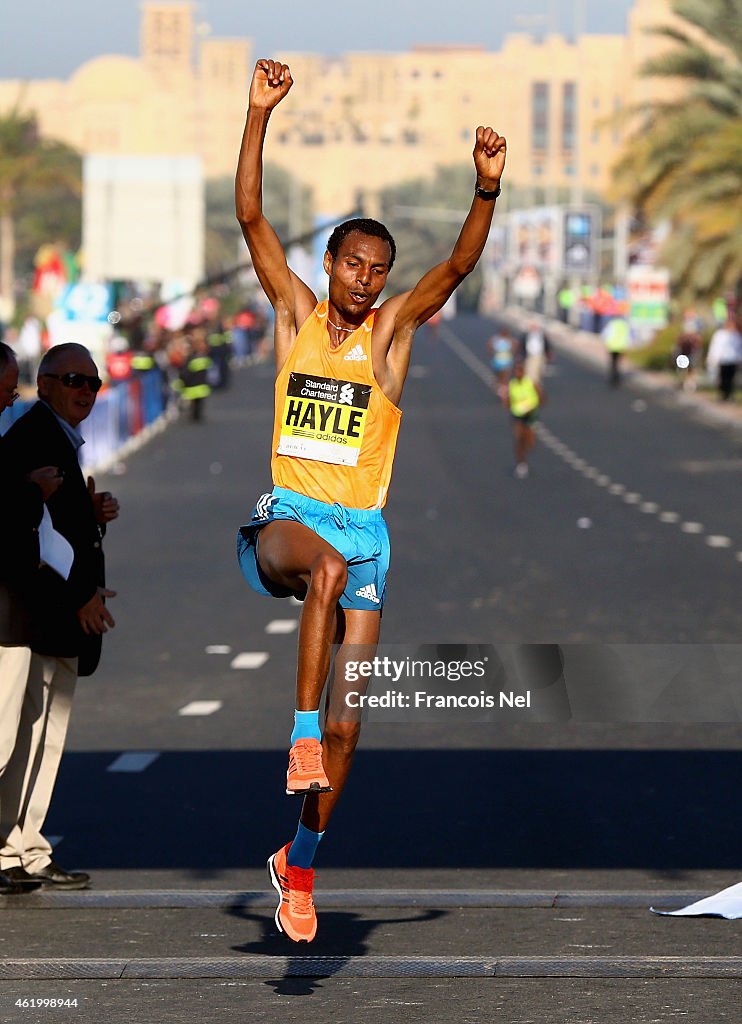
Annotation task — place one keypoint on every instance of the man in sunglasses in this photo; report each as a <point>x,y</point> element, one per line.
<point>68,614</point>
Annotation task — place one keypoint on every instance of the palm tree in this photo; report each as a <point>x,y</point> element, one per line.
<point>683,162</point>
<point>28,166</point>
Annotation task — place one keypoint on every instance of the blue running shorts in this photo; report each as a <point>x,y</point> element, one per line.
<point>359,535</point>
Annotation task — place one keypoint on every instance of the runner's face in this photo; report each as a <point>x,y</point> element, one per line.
<point>358,273</point>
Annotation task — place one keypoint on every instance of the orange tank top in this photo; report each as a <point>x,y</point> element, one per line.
<point>334,429</point>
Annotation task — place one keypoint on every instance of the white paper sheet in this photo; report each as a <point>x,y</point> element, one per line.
<point>54,549</point>
<point>727,903</point>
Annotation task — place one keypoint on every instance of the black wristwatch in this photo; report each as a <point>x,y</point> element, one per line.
<point>484,193</point>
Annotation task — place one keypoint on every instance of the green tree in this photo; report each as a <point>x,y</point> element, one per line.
<point>424,216</point>
<point>287,204</point>
<point>35,175</point>
<point>683,160</point>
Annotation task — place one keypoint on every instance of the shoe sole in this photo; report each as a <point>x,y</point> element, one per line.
<point>277,886</point>
<point>314,787</point>
<point>66,886</point>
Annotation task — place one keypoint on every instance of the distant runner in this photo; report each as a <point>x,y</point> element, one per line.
<point>524,399</point>
<point>320,534</point>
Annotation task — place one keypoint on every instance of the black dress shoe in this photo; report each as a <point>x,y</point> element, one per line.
<point>54,877</point>
<point>18,880</point>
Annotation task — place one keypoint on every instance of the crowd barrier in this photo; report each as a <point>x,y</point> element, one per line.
<point>124,411</point>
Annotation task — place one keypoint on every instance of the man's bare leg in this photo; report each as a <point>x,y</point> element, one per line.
<point>358,636</point>
<point>296,557</point>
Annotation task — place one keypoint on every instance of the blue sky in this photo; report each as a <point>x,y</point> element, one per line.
<point>39,39</point>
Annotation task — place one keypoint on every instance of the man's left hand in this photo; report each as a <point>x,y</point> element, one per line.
<point>490,151</point>
<point>105,505</point>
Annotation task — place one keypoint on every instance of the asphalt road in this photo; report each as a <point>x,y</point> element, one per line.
<point>453,804</point>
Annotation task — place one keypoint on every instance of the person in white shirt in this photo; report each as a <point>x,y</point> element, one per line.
<point>724,356</point>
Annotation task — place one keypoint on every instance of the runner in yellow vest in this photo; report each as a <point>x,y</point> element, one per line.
<point>525,398</point>
<point>320,534</point>
<point>616,335</point>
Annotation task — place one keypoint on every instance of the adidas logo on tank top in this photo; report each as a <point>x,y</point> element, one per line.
<point>356,354</point>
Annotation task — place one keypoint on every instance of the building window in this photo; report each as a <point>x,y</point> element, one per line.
<point>540,116</point>
<point>569,170</point>
<point>569,116</point>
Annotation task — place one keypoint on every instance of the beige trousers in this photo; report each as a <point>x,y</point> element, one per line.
<point>14,665</point>
<point>27,783</point>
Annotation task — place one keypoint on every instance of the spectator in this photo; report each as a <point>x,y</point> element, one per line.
<point>67,610</point>
<point>724,356</point>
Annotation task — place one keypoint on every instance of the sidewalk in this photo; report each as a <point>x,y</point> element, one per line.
<point>588,348</point>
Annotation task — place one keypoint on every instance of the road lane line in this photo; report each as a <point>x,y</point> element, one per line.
<point>133,761</point>
<point>250,659</point>
<point>692,527</point>
<point>579,464</point>
<point>281,626</point>
<point>200,707</point>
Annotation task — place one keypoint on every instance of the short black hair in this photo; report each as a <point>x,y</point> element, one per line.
<point>7,357</point>
<point>366,226</point>
<point>54,356</point>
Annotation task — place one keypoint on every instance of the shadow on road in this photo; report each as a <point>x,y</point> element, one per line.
<point>343,935</point>
<point>206,811</point>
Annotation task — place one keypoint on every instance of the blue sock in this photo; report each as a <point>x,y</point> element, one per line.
<point>302,850</point>
<point>306,726</point>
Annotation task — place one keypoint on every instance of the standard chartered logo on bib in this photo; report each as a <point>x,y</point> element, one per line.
<point>324,419</point>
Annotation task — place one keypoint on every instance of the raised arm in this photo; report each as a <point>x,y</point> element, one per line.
<point>291,299</point>
<point>400,317</point>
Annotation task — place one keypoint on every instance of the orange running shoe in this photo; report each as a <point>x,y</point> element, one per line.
<point>306,774</point>
<point>295,915</point>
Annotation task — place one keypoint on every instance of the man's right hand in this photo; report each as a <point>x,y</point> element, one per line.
<point>48,479</point>
<point>94,616</point>
<point>271,81</point>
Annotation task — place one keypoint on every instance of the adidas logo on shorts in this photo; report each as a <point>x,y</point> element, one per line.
<point>356,354</point>
<point>369,593</point>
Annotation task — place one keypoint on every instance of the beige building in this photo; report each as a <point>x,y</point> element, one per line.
<point>363,120</point>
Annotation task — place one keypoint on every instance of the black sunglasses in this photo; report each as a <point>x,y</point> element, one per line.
<point>76,381</point>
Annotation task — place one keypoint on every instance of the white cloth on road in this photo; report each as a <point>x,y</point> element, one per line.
<point>727,903</point>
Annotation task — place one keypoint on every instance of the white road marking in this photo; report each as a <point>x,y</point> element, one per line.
<point>200,707</point>
<point>218,649</point>
<point>281,626</point>
<point>572,459</point>
<point>250,659</point>
<point>692,528</point>
<point>133,761</point>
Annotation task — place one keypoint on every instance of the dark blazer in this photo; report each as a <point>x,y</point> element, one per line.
<point>21,508</point>
<point>37,439</point>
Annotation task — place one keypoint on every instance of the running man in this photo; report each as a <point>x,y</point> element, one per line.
<point>320,535</point>
<point>524,399</point>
